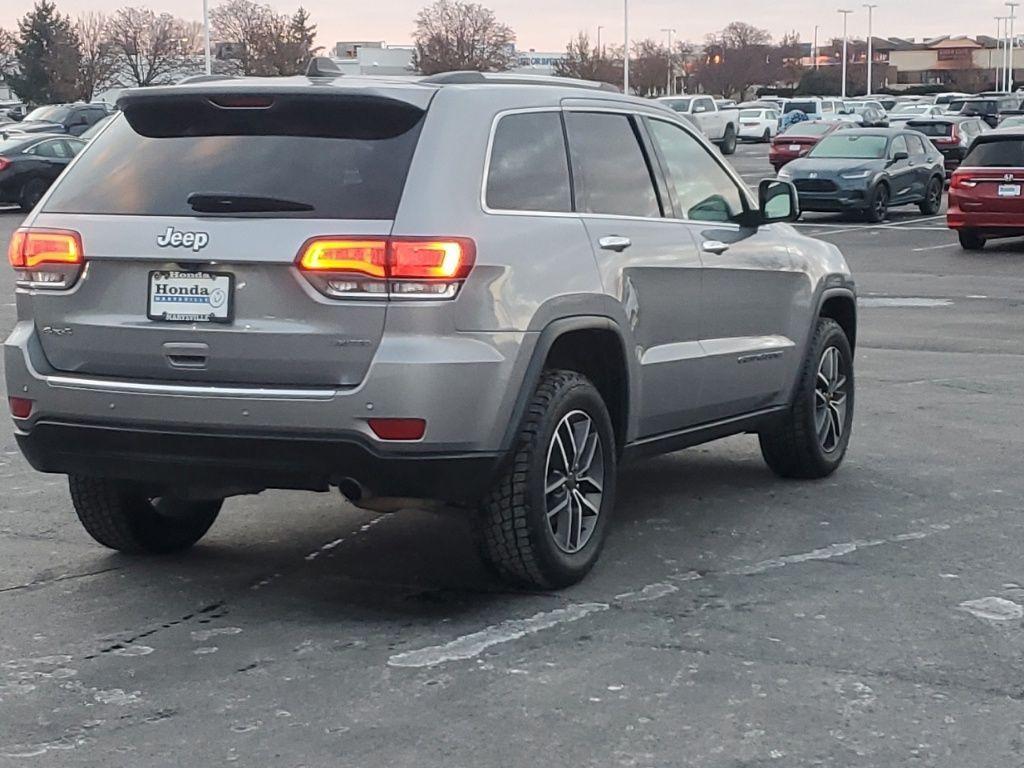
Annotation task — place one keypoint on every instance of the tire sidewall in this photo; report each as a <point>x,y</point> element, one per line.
<point>928,207</point>
<point>569,568</point>
<point>873,214</point>
<point>833,336</point>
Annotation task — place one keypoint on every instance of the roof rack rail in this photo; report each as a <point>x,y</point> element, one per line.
<point>473,77</point>
<point>203,79</point>
<point>323,66</point>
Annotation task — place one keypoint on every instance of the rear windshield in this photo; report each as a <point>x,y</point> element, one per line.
<point>932,129</point>
<point>49,114</point>
<point>124,172</point>
<point>981,107</point>
<point>807,129</point>
<point>852,147</point>
<point>810,107</point>
<point>751,113</point>
<point>1004,153</point>
<point>679,105</point>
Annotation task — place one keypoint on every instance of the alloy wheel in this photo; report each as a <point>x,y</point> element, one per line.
<point>573,481</point>
<point>830,400</point>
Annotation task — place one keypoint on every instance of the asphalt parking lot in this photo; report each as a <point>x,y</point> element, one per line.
<point>872,619</point>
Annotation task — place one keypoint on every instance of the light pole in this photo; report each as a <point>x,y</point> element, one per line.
<point>997,56</point>
<point>206,35</point>
<point>625,52</point>
<point>846,15</point>
<point>671,78</point>
<point>814,48</point>
<point>1009,67</point>
<point>599,28</point>
<point>870,86</point>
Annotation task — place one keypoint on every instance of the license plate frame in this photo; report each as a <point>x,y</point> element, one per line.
<point>1008,190</point>
<point>219,295</point>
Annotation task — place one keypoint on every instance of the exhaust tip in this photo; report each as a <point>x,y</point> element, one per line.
<point>352,489</point>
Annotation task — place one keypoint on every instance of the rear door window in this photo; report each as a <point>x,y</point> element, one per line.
<point>1007,153</point>
<point>529,168</point>
<point>609,167</point>
<point>916,146</point>
<point>335,160</point>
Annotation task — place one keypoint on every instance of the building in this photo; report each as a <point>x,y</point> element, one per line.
<point>961,62</point>
<point>372,57</point>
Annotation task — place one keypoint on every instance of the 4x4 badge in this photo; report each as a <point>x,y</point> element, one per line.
<point>174,239</point>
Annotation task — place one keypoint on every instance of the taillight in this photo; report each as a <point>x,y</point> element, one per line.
<point>398,429</point>
<point>398,267</point>
<point>46,258</point>
<point>4,163</point>
<point>960,181</point>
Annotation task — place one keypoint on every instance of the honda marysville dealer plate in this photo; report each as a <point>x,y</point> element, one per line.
<point>190,297</point>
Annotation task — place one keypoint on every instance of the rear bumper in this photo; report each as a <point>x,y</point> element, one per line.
<point>229,464</point>
<point>244,439</point>
<point>989,224</point>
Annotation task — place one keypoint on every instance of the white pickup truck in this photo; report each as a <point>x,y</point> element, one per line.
<point>720,125</point>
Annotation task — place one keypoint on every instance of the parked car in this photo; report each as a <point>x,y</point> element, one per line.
<point>867,114</point>
<point>990,110</point>
<point>1012,121</point>
<point>901,113</point>
<point>433,352</point>
<point>867,171</point>
<point>887,101</point>
<point>720,125</point>
<point>72,119</point>
<point>945,99</point>
<point>816,108</point>
<point>985,199</point>
<point>799,139</point>
<point>759,124</point>
<point>30,162</point>
<point>16,112</point>
<point>951,134</point>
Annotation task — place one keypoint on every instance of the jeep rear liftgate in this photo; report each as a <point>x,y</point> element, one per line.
<point>193,213</point>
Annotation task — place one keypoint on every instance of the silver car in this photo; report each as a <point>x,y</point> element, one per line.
<point>482,291</point>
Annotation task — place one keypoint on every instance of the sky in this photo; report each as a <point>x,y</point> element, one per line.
<point>547,25</point>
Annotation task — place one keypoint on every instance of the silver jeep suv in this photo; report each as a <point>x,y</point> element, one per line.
<point>482,291</point>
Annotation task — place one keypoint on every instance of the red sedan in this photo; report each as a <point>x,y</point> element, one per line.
<point>985,193</point>
<point>799,139</point>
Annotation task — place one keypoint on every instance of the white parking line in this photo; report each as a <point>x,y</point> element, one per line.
<point>935,247</point>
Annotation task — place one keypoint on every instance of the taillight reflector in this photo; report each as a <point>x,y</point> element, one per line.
<point>398,429</point>
<point>21,407</point>
<point>30,248</point>
<point>960,181</point>
<point>4,163</point>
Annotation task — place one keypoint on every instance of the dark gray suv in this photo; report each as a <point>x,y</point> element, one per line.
<point>482,291</point>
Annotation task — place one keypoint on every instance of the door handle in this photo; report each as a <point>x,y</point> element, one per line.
<point>614,243</point>
<point>716,247</point>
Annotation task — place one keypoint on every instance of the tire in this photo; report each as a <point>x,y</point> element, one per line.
<point>878,204</point>
<point>932,197</point>
<point>728,145</point>
<point>810,441</point>
<point>521,537</point>
<point>766,136</point>
<point>120,517</point>
<point>32,193</point>
<point>970,240</point>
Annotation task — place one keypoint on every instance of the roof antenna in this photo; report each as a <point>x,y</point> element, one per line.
<point>323,66</point>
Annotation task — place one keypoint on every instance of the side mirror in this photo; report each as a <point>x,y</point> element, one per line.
<point>777,201</point>
<point>897,156</point>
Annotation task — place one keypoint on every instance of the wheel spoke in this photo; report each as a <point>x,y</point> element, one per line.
<point>558,507</point>
<point>586,502</point>
<point>823,421</point>
<point>574,450</point>
<point>839,416</point>
<point>566,467</point>
<point>581,437</point>
<point>558,484</point>
<point>588,480</point>
<point>589,451</point>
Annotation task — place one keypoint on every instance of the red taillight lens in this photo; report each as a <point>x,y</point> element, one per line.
<point>4,163</point>
<point>411,267</point>
<point>21,407</point>
<point>431,259</point>
<point>960,181</point>
<point>46,258</point>
<point>398,429</point>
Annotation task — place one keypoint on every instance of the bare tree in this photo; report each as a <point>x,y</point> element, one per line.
<point>648,69</point>
<point>263,42</point>
<point>455,35</point>
<point>7,52</point>
<point>585,61</point>
<point>150,48</point>
<point>98,60</point>
<point>739,34</point>
<point>736,57</point>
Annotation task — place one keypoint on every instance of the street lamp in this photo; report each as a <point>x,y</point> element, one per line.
<point>599,28</point>
<point>668,85</point>
<point>998,54</point>
<point>1009,67</point>
<point>625,53</point>
<point>814,48</point>
<point>206,34</point>
<point>846,15</point>
<point>871,7</point>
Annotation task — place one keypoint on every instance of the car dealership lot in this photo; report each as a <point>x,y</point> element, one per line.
<point>871,619</point>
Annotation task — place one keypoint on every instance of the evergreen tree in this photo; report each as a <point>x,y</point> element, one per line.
<point>47,56</point>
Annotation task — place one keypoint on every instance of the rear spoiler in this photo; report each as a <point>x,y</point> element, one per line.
<point>239,108</point>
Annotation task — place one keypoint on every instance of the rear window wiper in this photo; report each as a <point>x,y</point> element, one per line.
<point>214,202</point>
